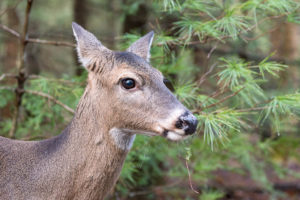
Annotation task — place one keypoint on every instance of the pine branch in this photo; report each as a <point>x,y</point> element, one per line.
<point>224,99</point>
<point>182,40</point>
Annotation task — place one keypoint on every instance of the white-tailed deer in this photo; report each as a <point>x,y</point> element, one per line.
<point>124,96</point>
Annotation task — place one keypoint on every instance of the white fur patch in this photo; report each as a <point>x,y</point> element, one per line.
<point>122,139</point>
<point>175,136</point>
<point>148,53</point>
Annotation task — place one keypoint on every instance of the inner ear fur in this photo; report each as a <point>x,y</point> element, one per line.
<point>142,46</point>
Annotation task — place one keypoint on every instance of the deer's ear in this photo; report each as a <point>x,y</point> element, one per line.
<point>142,46</point>
<point>88,46</point>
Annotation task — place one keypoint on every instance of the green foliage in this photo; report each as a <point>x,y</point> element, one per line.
<point>281,106</point>
<point>235,73</point>
<point>218,124</point>
<point>40,114</point>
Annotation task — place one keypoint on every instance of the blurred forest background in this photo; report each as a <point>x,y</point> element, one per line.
<point>235,63</point>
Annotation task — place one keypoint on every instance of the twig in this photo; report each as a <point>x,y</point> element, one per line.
<point>203,77</point>
<point>190,179</point>
<point>252,109</point>
<point>51,98</point>
<point>214,95</point>
<point>47,96</point>
<point>224,99</point>
<point>21,78</point>
<point>36,40</point>
<point>3,76</point>
<point>9,30</point>
<point>218,92</point>
<point>49,42</point>
<point>212,50</point>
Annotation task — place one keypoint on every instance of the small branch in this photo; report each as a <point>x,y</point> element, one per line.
<point>212,50</point>
<point>49,42</point>
<point>252,109</point>
<point>224,99</point>
<point>218,92</point>
<point>9,30</point>
<point>190,179</point>
<point>47,96</point>
<point>203,77</point>
<point>3,76</point>
<point>51,98</point>
<point>36,40</point>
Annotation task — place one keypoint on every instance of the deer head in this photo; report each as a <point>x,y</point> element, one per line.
<point>130,92</point>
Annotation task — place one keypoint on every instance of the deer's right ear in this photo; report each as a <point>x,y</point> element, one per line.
<point>142,46</point>
<point>88,46</point>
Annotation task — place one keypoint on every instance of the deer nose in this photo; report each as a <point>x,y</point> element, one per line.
<point>187,122</point>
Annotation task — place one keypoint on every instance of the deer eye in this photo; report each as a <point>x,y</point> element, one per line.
<point>169,84</point>
<point>128,83</point>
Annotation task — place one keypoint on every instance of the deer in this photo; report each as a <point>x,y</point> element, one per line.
<point>124,96</point>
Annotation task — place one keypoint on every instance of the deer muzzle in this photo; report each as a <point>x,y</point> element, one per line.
<point>179,126</point>
<point>187,122</point>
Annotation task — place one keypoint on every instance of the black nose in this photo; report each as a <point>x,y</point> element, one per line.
<point>188,122</point>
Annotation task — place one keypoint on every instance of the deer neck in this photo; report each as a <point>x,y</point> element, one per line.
<point>92,148</point>
<point>92,123</point>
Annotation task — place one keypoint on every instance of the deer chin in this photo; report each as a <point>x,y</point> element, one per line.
<point>138,132</point>
<point>174,135</point>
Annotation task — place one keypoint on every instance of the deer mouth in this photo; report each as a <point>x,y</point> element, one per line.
<point>174,135</point>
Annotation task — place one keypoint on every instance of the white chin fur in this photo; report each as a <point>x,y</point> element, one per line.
<point>122,139</point>
<point>126,145</point>
<point>175,136</point>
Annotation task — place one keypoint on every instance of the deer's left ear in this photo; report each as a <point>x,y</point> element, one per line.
<point>142,46</point>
